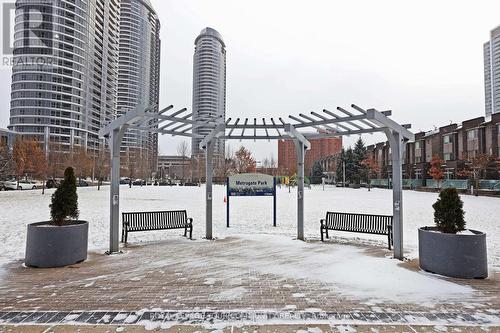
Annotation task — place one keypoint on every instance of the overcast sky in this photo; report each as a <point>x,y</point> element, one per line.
<point>421,59</point>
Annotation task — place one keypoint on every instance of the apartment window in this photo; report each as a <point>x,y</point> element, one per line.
<point>417,145</point>
<point>447,139</point>
<point>472,134</point>
<point>448,157</point>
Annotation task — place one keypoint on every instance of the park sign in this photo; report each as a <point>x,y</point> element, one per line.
<point>251,184</point>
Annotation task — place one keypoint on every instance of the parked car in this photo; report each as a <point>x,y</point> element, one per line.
<point>37,184</point>
<point>82,183</point>
<point>124,180</point>
<point>23,185</point>
<point>138,182</point>
<point>52,183</point>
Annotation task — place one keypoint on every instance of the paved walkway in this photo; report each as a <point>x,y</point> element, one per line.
<point>249,329</point>
<point>239,281</point>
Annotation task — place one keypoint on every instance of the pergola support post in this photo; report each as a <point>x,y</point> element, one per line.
<point>301,145</point>
<point>396,144</point>
<point>300,188</point>
<point>114,227</point>
<point>209,195</point>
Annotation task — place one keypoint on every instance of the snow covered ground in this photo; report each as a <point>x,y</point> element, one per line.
<point>250,215</point>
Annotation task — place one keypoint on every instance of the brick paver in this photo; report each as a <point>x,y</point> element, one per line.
<point>157,276</point>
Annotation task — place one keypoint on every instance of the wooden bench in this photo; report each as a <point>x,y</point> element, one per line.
<point>362,223</point>
<point>146,221</point>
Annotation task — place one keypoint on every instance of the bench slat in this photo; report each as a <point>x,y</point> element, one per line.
<point>155,220</point>
<point>363,223</point>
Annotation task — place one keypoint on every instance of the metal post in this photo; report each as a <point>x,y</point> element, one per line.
<point>397,192</point>
<point>343,174</point>
<point>300,189</point>
<point>274,202</point>
<point>114,227</point>
<point>227,202</point>
<point>209,173</point>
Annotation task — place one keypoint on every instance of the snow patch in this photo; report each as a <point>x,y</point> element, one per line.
<point>230,294</point>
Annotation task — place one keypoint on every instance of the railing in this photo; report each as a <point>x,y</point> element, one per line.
<point>489,185</point>
<point>460,184</point>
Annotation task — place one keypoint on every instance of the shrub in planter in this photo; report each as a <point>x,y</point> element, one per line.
<point>63,240</point>
<point>65,200</point>
<point>448,212</point>
<point>448,249</point>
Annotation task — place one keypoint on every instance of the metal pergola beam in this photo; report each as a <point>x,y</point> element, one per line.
<point>181,124</point>
<point>139,119</point>
<point>384,121</point>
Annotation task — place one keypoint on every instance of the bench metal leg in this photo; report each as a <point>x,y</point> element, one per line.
<point>389,237</point>
<point>126,236</point>
<point>123,235</point>
<point>185,231</point>
<point>327,235</point>
<point>321,232</point>
<point>191,232</point>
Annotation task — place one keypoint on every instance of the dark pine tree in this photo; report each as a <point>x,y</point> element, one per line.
<point>317,173</point>
<point>350,166</point>
<point>65,199</point>
<point>359,155</point>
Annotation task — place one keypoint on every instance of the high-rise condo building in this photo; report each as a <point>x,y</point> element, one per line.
<point>209,87</point>
<point>64,77</point>
<point>85,63</point>
<point>492,73</point>
<point>139,74</point>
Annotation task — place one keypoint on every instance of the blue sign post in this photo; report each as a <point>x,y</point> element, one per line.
<point>251,184</point>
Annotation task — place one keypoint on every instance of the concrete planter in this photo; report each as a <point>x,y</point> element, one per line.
<point>48,245</point>
<point>460,256</point>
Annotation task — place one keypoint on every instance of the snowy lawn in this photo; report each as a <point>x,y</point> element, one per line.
<point>251,215</point>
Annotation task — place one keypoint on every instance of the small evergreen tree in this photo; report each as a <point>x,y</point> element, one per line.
<point>448,212</point>
<point>359,155</point>
<point>65,200</point>
<point>350,167</point>
<point>317,173</point>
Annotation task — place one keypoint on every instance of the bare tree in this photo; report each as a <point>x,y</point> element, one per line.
<point>273,164</point>
<point>28,158</point>
<point>55,160</point>
<point>183,151</point>
<point>244,162</point>
<point>226,167</point>
<point>131,163</point>
<point>475,166</point>
<point>82,162</point>
<point>6,162</point>
<point>101,166</point>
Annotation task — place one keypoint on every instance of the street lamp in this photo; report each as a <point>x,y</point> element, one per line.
<point>343,174</point>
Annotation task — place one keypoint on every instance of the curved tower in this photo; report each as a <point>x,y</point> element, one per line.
<point>209,87</point>
<point>65,71</point>
<point>139,74</point>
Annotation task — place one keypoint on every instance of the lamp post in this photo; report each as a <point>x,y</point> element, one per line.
<point>343,174</point>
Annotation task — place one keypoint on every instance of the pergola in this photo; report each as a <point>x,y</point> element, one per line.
<point>300,129</point>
